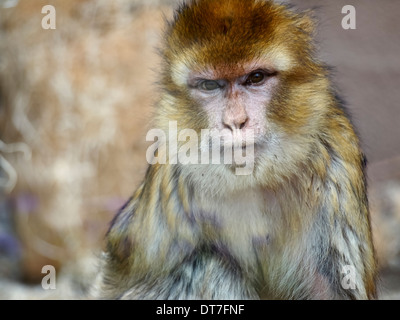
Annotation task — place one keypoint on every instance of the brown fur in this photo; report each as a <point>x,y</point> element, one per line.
<point>284,232</point>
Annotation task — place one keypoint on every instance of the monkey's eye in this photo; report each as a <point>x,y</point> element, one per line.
<point>209,85</point>
<point>255,78</point>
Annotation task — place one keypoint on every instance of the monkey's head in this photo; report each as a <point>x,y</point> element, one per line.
<point>246,66</point>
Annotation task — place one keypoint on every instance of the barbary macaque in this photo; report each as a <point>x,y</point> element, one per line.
<point>296,224</point>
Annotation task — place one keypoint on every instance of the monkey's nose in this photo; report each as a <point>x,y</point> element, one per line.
<point>236,122</point>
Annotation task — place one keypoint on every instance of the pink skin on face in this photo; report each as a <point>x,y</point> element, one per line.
<point>235,99</point>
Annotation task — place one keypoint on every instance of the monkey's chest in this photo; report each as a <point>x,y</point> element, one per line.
<point>242,223</point>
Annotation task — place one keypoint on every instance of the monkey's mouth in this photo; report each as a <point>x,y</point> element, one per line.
<point>234,141</point>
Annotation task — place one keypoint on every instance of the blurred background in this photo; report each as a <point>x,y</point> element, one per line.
<point>76,103</point>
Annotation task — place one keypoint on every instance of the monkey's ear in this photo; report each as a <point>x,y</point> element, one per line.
<point>306,22</point>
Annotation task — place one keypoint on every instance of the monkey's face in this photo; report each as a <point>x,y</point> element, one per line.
<point>234,98</point>
<point>246,70</point>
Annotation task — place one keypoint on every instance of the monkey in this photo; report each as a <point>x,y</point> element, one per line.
<point>297,225</point>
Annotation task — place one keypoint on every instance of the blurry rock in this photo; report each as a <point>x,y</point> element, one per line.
<point>79,97</point>
<point>10,249</point>
<point>385,212</point>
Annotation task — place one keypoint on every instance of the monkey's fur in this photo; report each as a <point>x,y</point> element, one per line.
<point>286,231</point>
